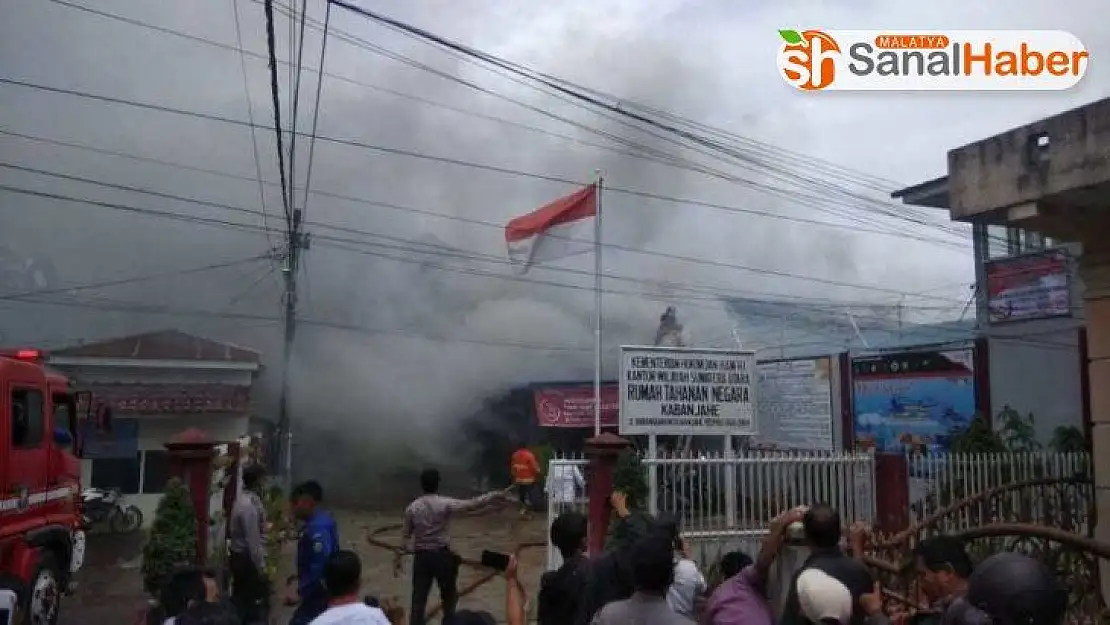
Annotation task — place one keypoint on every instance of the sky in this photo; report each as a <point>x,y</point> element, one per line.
<point>412,316</point>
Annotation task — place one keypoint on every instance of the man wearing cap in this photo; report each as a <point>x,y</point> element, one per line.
<point>821,527</point>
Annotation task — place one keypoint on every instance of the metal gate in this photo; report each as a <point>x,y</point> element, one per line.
<point>727,502</point>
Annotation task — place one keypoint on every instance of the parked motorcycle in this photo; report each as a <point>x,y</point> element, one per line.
<point>109,507</point>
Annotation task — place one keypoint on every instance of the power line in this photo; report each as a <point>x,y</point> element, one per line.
<point>139,307</point>
<point>335,196</point>
<point>270,46</point>
<point>576,94</point>
<point>250,117</point>
<point>316,106</point>
<point>652,154</point>
<point>472,256</point>
<point>449,160</point>
<point>132,280</point>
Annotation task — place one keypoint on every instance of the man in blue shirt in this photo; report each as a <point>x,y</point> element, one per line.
<point>319,539</point>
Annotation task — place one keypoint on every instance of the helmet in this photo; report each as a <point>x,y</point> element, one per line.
<point>1010,589</point>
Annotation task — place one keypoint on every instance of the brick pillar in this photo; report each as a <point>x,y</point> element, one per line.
<point>191,455</point>
<point>1094,269</point>
<point>602,452</point>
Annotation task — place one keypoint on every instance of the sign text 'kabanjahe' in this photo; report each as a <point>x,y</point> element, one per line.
<point>679,390</point>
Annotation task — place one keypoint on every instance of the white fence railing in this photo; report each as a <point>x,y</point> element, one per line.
<point>733,498</point>
<point>937,481</point>
<point>728,500</point>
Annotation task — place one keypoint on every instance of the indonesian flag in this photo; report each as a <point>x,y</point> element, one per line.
<point>557,230</point>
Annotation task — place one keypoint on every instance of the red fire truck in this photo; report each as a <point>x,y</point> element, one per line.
<point>42,541</point>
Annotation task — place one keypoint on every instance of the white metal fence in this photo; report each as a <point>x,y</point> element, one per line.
<point>728,500</point>
<point>938,481</point>
<point>731,499</point>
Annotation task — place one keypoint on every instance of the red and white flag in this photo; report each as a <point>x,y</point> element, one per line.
<point>559,229</point>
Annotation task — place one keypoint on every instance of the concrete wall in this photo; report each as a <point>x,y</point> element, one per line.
<point>994,173</point>
<point>156,429</point>
<point>1035,369</point>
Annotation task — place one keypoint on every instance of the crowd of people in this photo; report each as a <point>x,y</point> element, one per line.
<point>652,580</point>
<point>648,577</point>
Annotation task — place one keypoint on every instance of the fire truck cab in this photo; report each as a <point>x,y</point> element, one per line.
<point>42,541</point>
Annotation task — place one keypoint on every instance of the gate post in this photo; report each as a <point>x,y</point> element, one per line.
<point>892,480</point>
<point>602,452</point>
<point>191,455</point>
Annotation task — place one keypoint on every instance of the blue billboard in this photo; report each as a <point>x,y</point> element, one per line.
<point>912,401</point>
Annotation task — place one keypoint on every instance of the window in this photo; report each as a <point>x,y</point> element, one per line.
<point>120,473</point>
<point>63,414</point>
<point>156,470</point>
<point>997,242</point>
<point>27,419</point>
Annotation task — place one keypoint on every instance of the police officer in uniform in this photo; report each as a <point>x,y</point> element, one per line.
<point>319,539</point>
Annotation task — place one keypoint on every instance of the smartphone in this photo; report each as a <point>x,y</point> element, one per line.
<point>8,603</point>
<point>495,560</point>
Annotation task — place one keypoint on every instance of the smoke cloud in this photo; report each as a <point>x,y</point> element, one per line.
<point>438,306</point>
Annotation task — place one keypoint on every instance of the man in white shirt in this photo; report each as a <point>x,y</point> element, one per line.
<point>564,481</point>
<point>343,580</point>
<point>688,582</point>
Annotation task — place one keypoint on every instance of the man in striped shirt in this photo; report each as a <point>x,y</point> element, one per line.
<point>426,535</point>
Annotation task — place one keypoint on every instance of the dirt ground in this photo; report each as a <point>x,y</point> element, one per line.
<point>109,588</point>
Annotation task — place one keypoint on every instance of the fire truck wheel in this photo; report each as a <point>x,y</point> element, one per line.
<point>45,593</point>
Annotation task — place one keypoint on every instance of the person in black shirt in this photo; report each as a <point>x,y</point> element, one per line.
<point>822,531</point>
<point>562,591</point>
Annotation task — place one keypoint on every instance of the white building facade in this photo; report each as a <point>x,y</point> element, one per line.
<point>158,385</point>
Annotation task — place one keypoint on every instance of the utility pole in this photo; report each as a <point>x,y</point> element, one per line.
<point>296,242</point>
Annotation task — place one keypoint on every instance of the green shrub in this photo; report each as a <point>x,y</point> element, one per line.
<point>173,536</point>
<point>630,478</point>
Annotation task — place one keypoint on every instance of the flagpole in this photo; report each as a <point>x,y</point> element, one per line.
<point>597,308</point>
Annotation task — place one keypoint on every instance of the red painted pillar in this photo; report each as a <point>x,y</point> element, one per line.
<point>892,490</point>
<point>191,455</point>
<point>602,452</point>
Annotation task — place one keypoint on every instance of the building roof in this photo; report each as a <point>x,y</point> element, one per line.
<point>163,345</point>
<point>791,329</point>
<point>931,193</point>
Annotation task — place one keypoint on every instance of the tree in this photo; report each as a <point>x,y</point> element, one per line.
<point>630,478</point>
<point>173,536</point>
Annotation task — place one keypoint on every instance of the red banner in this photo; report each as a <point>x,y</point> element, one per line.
<point>573,406</point>
<point>1028,287</point>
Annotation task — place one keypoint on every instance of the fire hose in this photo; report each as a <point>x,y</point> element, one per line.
<point>434,609</point>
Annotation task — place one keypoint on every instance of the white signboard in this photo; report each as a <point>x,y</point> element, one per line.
<point>796,404</point>
<point>681,390</point>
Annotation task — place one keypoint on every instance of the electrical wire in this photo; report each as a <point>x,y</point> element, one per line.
<point>558,87</point>
<point>334,196</point>
<point>316,106</point>
<point>296,98</point>
<point>487,258</point>
<point>250,118</point>
<point>665,159</point>
<point>141,308</point>
<point>132,280</point>
<point>271,49</point>
<point>454,161</point>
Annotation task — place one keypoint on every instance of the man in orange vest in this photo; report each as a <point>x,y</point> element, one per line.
<point>526,472</point>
